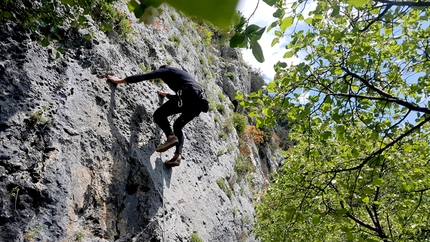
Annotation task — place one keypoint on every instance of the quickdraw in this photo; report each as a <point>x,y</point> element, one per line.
<point>179,94</point>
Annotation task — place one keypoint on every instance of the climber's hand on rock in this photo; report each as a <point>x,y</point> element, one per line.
<point>161,93</point>
<point>114,79</point>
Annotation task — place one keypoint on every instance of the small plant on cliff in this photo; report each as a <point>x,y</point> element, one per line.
<point>79,237</point>
<point>195,238</point>
<point>255,134</point>
<point>235,210</point>
<point>14,193</point>
<point>40,115</point>
<point>202,60</point>
<point>206,35</point>
<point>221,183</point>
<point>220,152</point>
<point>243,166</point>
<point>239,122</point>
<point>221,97</point>
<point>221,108</point>
<point>31,234</point>
<point>231,76</point>
<point>44,21</point>
<point>175,39</point>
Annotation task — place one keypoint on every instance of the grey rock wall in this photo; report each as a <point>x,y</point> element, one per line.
<point>77,159</point>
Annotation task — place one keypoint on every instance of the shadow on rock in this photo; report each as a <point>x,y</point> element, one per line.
<point>138,180</point>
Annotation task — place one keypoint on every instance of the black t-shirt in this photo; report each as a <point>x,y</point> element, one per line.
<point>175,78</point>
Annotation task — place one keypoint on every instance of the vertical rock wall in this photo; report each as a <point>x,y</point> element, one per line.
<point>77,159</point>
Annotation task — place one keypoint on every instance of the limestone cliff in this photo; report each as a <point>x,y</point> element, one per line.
<point>77,159</point>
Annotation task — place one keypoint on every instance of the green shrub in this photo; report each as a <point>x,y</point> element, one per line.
<point>228,191</point>
<point>239,122</point>
<point>175,39</point>
<point>221,108</point>
<point>46,23</point>
<point>79,237</point>
<point>221,97</point>
<point>221,184</point>
<point>211,59</point>
<point>202,60</point>
<point>231,76</point>
<point>206,35</point>
<point>242,166</point>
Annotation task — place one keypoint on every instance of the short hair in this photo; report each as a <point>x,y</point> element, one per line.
<point>163,66</point>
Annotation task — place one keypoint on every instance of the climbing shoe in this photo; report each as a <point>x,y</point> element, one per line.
<point>174,162</point>
<point>168,144</point>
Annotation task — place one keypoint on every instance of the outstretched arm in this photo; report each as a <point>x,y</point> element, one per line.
<point>116,80</point>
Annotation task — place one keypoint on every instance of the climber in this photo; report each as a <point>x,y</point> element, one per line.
<point>189,101</point>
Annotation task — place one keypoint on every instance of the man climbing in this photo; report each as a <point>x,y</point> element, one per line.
<point>189,101</point>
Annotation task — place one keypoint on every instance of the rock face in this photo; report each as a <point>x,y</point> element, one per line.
<point>77,154</point>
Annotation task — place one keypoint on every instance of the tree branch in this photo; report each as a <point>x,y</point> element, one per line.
<point>380,151</point>
<point>375,19</point>
<point>388,97</point>
<point>404,3</point>
<point>349,215</point>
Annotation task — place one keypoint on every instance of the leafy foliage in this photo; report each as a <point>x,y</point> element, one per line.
<point>357,173</point>
<point>48,19</point>
<point>225,9</point>
<point>247,36</point>
<point>239,122</point>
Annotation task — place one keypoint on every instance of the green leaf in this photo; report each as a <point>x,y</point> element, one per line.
<point>274,41</point>
<point>282,64</point>
<point>365,200</point>
<point>342,211</point>
<point>336,11</point>
<point>259,122</point>
<point>257,51</point>
<point>278,13</point>
<point>270,2</point>
<point>238,40</point>
<point>218,12</point>
<point>316,219</point>
<point>271,87</point>
<point>82,19</point>
<point>272,25</point>
<point>378,181</point>
<point>288,54</point>
<point>106,27</point>
<point>45,42</point>
<point>286,22</point>
<point>239,96</point>
<point>357,3</point>
<point>354,153</point>
<point>254,32</point>
<point>349,236</point>
<point>132,5</point>
<point>7,15</point>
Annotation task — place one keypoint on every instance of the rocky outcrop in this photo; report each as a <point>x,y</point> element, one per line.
<point>77,159</point>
